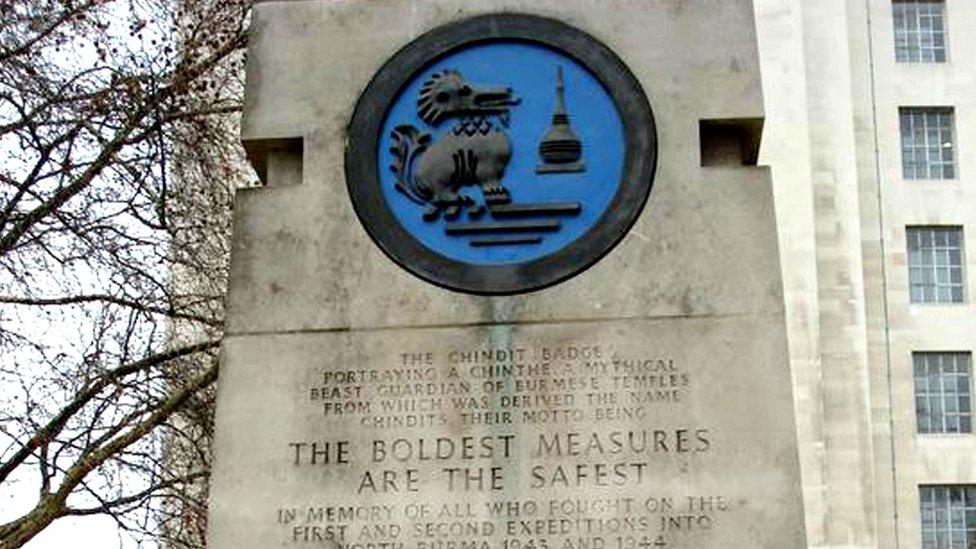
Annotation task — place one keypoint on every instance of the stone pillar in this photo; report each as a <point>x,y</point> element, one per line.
<point>644,401</point>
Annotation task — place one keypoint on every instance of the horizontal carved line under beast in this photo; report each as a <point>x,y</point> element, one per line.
<point>505,241</point>
<point>503,227</point>
<point>527,210</point>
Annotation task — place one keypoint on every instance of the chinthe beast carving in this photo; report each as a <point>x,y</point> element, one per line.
<point>475,151</point>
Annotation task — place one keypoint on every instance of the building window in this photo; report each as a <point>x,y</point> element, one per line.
<point>935,264</point>
<point>948,516</point>
<point>942,392</point>
<point>920,31</point>
<point>927,139</point>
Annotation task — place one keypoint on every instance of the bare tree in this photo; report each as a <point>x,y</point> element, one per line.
<point>120,157</point>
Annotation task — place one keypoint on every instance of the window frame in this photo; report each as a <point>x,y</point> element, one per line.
<point>962,417</point>
<point>910,148</point>
<point>967,511</point>
<point>918,45</point>
<point>934,267</point>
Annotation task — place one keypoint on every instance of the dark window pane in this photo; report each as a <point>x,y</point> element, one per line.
<point>942,393</point>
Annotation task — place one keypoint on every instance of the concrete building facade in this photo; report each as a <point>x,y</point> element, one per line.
<point>870,133</point>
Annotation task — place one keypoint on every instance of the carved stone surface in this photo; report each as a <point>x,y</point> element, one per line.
<point>560,149</point>
<point>642,403</point>
<point>645,433</point>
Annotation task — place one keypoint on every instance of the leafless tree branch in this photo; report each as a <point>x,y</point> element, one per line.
<point>119,140</point>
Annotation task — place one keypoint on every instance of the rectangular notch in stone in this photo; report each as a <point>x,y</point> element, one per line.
<point>730,141</point>
<point>278,162</point>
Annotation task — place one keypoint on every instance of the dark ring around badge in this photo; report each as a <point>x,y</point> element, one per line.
<point>362,166</point>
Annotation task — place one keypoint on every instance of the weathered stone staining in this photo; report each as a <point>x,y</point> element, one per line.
<point>642,404</point>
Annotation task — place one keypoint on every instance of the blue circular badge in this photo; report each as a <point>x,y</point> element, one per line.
<point>501,154</point>
<point>526,152</point>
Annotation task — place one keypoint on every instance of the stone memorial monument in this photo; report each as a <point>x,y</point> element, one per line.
<point>512,283</point>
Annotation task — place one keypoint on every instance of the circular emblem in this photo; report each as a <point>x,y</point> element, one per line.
<point>501,154</point>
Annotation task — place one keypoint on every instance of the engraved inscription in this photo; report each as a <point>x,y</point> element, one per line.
<point>442,437</point>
